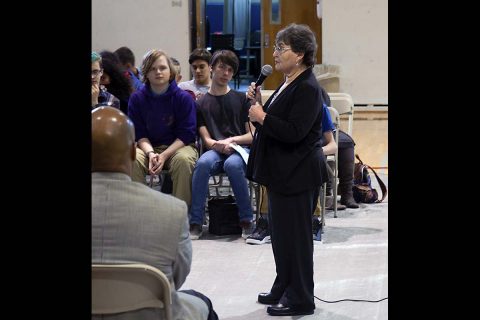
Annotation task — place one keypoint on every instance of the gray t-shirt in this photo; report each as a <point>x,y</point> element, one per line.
<point>192,86</point>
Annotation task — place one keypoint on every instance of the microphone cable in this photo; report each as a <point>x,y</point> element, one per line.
<point>353,300</point>
<point>250,129</point>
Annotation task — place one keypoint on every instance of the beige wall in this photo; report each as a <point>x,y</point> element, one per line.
<point>355,37</point>
<point>142,25</point>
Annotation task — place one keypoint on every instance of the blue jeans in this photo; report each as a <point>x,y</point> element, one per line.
<point>211,163</point>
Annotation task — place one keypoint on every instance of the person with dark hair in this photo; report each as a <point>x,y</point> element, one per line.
<point>112,56</point>
<point>132,223</point>
<point>100,95</point>
<point>127,60</point>
<point>286,156</point>
<point>199,61</point>
<point>165,126</point>
<point>222,118</point>
<point>115,81</point>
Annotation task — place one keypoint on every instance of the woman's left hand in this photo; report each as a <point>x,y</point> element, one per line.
<point>256,113</point>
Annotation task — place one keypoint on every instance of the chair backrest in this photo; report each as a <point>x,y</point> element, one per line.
<point>222,41</point>
<point>343,103</point>
<point>256,38</point>
<point>266,95</point>
<point>127,287</point>
<point>335,116</point>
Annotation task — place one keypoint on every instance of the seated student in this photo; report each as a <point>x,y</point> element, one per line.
<point>178,77</point>
<point>132,223</point>
<point>178,70</point>
<point>127,60</point>
<point>346,164</point>
<point>115,81</point>
<point>222,120</point>
<point>165,126</point>
<point>112,56</point>
<point>199,61</point>
<point>100,95</point>
<point>261,234</point>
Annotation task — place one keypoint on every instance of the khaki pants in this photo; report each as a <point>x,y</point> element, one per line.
<point>264,203</point>
<point>180,167</point>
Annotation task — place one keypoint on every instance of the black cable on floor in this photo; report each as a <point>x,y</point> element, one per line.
<point>354,300</point>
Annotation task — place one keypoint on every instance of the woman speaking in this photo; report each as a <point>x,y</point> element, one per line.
<point>286,157</point>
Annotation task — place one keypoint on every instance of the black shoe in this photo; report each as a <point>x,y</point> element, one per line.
<point>195,231</point>
<point>260,235</point>
<point>267,298</point>
<point>317,229</point>
<point>247,228</point>
<point>281,310</point>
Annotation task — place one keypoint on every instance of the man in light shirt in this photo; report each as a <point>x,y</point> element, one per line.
<point>199,61</point>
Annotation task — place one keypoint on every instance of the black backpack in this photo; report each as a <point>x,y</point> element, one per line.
<point>362,184</point>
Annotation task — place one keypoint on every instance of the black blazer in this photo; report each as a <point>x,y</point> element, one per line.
<point>286,154</point>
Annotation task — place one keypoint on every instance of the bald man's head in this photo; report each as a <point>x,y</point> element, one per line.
<point>113,141</point>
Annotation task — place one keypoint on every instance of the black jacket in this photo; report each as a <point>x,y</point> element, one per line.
<point>286,154</point>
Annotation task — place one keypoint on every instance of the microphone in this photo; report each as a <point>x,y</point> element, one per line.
<point>266,71</point>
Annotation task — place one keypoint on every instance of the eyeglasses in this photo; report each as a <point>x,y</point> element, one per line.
<point>95,73</point>
<point>279,49</point>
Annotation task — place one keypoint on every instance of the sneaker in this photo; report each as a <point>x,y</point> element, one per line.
<point>317,229</point>
<point>195,231</point>
<point>247,227</point>
<point>260,235</point>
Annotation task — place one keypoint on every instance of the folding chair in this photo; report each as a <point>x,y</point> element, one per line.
<point>332,168</point>
<point>152,179</point>
<point>343,103</point>
<point>120,288</point>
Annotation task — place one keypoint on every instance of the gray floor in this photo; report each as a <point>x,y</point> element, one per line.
<point>350,263</point>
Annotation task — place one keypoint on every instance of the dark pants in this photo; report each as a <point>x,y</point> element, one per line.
<point>212,315</point>
<point>346,162</point>
<point>290,223</point>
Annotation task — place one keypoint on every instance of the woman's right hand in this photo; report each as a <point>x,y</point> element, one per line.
<point>95,94</point>
<point>252,95</point>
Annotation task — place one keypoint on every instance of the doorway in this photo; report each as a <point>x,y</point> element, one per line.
<point>241,19</point>
<point>277,14</point>
<point>262,19</point>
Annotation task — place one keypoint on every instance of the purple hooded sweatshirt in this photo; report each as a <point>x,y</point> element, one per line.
<point>165,117</point>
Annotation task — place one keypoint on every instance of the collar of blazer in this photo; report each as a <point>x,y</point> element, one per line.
<point>289,88</point>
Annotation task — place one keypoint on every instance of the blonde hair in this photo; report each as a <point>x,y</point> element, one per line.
<point>149,59</point>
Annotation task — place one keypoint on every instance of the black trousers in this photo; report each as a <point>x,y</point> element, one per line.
<point>290,223</point>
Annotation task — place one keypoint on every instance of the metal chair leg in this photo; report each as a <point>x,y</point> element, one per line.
<point>322,199</point>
